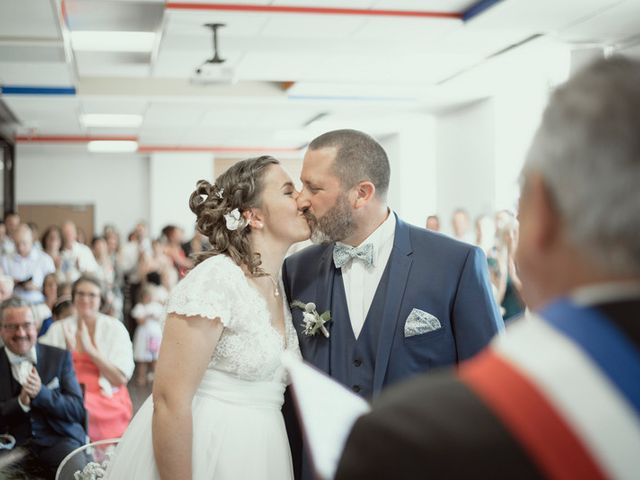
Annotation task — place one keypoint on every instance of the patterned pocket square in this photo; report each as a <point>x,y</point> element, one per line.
<point>53,384</point>
<point>419,322</point>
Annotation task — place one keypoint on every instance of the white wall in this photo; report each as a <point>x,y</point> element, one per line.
<point>412,156</point>
<point>173,177</point>
<point>117,185</point>
<point>465,165</point>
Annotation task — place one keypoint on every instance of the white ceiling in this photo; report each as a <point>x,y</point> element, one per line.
<point>288,69</point>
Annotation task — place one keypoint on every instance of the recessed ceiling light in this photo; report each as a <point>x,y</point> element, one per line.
<point>112,146</point>
<point>110,120</point>
<point>112,41</point>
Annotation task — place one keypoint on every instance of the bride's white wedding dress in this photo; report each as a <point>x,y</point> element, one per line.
<point>238,429</point>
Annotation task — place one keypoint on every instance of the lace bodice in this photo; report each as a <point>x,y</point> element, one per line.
<point>249,348</point>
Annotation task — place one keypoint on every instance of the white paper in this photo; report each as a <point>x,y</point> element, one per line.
<point>327,411</point>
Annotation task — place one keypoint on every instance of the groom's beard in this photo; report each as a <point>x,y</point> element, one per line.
<point>337,224</point>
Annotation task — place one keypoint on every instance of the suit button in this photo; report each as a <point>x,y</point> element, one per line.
<point>356,388</point>
<point>357,362</point>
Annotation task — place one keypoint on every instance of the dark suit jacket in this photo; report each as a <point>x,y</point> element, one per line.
<point>435,426</point>
<point>427,271</point>
<point>56,412</point>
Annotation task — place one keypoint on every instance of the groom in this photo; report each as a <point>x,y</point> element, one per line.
<point>402,300</point>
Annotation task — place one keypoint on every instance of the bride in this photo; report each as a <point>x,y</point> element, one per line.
<point>219,384</point>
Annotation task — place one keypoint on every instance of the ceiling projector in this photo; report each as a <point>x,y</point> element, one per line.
<point>213,69</point>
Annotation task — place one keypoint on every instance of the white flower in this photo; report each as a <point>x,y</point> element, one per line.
<point>312,321</point>
<point>234,219</point>
<point>308,317</point>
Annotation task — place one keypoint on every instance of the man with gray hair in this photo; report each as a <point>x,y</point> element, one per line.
<point>559,396</point>
<point>40,400</point>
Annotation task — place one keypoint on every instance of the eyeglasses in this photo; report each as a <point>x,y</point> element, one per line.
<point>14,327</point>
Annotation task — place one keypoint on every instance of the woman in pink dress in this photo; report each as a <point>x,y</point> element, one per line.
<point>102,358</point>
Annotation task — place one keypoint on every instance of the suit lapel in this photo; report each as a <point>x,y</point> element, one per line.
<point>42,364</point>
<point>399,266</point>
<point>5,375</point>
<point>317,347</point>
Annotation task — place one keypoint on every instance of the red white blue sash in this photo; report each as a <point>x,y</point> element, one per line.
<point>566,384</point>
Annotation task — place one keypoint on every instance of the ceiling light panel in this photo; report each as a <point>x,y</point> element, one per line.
<point>95,41</point>
<point>112,146</point>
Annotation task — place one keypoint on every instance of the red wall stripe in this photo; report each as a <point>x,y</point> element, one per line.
<point>215,149</point>
<point>531,418</point>
<point>72,138</point>
<point>153,148</point>
<point>231,7</point>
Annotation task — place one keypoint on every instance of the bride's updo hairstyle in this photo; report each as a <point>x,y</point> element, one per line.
<point>240,187</point>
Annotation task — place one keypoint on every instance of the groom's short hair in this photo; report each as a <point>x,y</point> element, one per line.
<point>358,157</point>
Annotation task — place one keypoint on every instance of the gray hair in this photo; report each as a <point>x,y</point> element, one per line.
<point>358,157</point>
<point>12,302</point>
<point>587,150</point>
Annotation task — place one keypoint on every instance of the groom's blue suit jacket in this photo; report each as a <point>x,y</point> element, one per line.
<point>426,271</point>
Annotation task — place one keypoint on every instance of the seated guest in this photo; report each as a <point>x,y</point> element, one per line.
<point>27,266</point>
<point>559,395</point>
<point>50,293</point>
<point>102,357</point>
<point>40,399</point>
<point>11,222</point>
<point>75,257</point>
<point>51,242</point>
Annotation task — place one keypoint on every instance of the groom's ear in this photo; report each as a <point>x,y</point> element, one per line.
<point>365,191</point>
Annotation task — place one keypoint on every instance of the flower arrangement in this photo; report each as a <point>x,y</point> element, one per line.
<point>312,321</point>
<point>96,469</point>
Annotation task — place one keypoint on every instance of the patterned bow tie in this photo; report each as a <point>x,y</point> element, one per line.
<point>342,254</point>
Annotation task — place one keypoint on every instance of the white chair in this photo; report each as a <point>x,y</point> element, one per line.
<point>89,460</point>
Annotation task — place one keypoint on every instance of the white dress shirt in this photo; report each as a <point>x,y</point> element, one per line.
<point>21,368</point>
<point>361,282</point>
<point>36,265</point>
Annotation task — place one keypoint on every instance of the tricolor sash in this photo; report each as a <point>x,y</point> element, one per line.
<point>566,384</point>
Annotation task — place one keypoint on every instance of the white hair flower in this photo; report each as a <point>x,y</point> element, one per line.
<point>234,220</point>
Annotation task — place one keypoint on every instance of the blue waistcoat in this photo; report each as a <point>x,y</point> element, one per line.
<point>355,368</point>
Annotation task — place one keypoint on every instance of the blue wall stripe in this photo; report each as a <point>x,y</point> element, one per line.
<point>23,90</point>
<point>477,8</point>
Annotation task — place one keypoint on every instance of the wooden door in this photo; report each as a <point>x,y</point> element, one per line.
<point>44,215</point>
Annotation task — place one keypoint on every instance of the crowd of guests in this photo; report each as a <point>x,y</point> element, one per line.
<point>497,235</point>
<point>91,302</point>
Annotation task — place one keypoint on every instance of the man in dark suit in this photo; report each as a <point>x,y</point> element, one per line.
<point>558,396</point>
<point>40,399</point>
<point>402,300</point>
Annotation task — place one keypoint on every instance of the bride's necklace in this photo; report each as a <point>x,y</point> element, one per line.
<point>276,290</point>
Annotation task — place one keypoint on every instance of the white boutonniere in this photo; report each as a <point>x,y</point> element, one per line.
<point>312,321</point>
